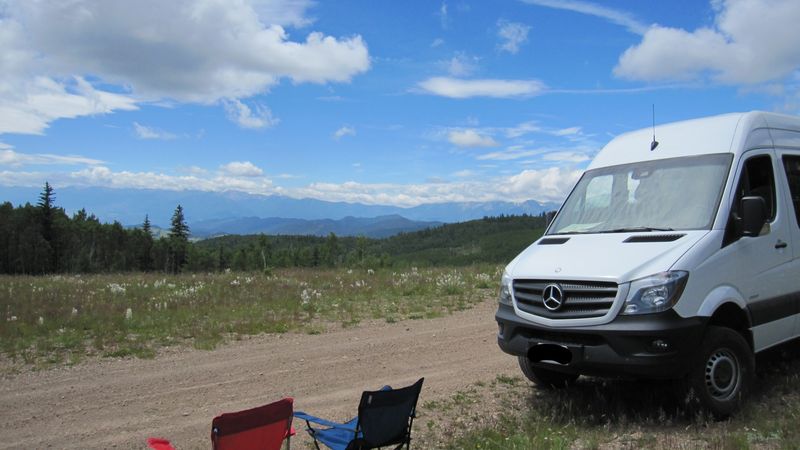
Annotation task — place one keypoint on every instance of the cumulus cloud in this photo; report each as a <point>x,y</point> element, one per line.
<point>461,88</point>
<point>550,184</point>
<point>145,132</point>
<point>29,105</point>
<point>513,35</point>
<point>258,117</point>
<point>615,16</point>
<point>344,131</point>
<point>201,51</point>
<point>242,169</point>
<point>751,41</point>
<point>470,138</point>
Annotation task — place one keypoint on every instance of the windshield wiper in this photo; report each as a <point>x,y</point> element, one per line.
<point>635,229</point>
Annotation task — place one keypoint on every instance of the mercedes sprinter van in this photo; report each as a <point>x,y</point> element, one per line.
<point>677,259</point>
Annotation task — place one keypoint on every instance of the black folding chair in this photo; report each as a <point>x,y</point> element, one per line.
<point>384,418</point>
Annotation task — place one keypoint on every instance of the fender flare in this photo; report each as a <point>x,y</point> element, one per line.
<point>721,295</point>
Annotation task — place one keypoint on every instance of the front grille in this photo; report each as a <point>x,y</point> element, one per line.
<point>581,299</point>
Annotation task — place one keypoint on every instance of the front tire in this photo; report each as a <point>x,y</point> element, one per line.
<point>545,378</point>
<point>721,373</point>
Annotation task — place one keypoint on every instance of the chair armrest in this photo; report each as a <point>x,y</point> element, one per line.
<point>327,423</point>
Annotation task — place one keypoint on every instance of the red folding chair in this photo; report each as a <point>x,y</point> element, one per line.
<point>261,428</point>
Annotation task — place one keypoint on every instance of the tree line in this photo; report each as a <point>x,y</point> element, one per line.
<point>43,239</point>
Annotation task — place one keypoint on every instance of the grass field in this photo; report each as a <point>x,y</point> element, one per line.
<point>57,319</point>
<point>63,319</point>
<point>511,414</point>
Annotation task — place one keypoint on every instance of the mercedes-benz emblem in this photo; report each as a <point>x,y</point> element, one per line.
<point>553,297</point>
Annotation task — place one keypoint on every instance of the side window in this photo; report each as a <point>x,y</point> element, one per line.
<point>757,180</point>
<point>791,164</point>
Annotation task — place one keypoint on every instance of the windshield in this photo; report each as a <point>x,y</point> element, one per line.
<point>668,194</point>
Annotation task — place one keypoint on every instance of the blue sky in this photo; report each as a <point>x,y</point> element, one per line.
<point>378,102</point>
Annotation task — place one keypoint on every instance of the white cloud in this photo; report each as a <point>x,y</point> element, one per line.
<point>466,173</point>
<point>443,16</point>
<point>242,169</point>
<point>470,138</point>
<point>9,157</point>
<point>752,41</point>
<point>460,88</point>
<point>200,51</point>
<point>460,65</point>
<point>551,184</point>
<point>523,129</point>
<point>543,185</point>
<point>145,132</point>
<point>571,131</point>
<point>437,42</point>
<point>509,154</point>
<point>29,105</point>
<point>622,18</point>
<point>567,157</point>
<point>513,35</point>
<point>245,117</point>
<point>344,131</point>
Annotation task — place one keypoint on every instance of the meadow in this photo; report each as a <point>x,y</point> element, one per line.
<point>58,319</point>
<point>49,321</point>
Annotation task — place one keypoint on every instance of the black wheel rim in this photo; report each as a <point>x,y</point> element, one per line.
<point>723,374</point>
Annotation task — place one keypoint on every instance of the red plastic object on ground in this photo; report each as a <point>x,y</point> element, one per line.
<point>159,444</point>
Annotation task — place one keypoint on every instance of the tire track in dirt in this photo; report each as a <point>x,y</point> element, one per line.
<point>119,403</point>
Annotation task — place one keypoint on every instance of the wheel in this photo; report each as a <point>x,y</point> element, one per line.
<point>721,373</point>
<point>544,377</point>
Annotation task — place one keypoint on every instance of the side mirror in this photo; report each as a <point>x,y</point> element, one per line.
<point>753,215</point>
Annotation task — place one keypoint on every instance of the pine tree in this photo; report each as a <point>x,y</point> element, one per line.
<point>146,260</point>
<point>146,225</point>
<point>179,239</point>
<point>45,205</point>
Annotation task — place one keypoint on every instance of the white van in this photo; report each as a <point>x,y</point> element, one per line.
<point>679,259</point>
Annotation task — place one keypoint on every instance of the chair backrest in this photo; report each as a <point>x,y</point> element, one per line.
<point>385,416</point>
<point>261,428</point>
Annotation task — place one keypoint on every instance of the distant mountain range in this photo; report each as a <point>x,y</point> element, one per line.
<point>377,227</point>
<point>212,213</point>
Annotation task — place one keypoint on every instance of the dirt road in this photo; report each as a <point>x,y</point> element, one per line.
<point>119,403</point>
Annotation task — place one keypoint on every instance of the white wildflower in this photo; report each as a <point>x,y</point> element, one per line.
<point>370,272</point>
<point>128,314</point>
<point>41,320</point>
<point>12,319</point>
<point>74,312</point>
<point>116,288</point>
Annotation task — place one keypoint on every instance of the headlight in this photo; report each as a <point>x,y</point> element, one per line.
<point>655,293</point>
<point>505,289</point>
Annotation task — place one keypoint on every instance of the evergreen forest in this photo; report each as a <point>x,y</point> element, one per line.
<point>43,239</point>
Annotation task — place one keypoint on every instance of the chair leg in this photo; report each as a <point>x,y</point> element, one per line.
<point>311,432</point>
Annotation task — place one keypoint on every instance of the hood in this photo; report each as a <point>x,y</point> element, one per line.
<point>603,257</point>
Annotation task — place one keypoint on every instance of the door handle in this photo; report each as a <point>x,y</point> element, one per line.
<point>781,244</point>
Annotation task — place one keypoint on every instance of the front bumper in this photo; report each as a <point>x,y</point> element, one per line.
<point>626,346</point>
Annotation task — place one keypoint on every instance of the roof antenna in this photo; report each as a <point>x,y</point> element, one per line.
<point>654,144</point>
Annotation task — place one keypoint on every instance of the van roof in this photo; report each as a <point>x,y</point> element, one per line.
<point>727,133</point>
